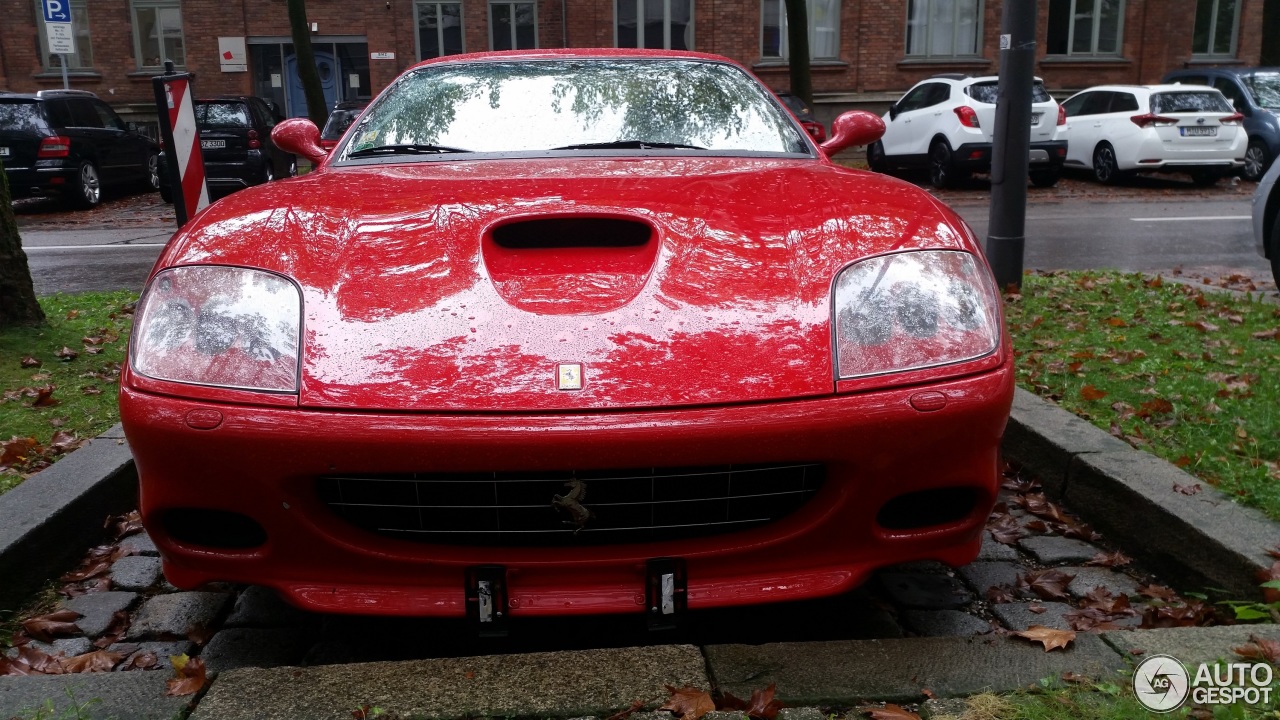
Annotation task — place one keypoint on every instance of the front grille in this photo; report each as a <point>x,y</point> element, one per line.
<point>520,509</point>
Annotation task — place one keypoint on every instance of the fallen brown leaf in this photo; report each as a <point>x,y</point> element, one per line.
<point>889,712</point>
<point>1049,584</point>
<point>1187,489</point>
<point>95,661</point>
<point>188,676</point>
<point>1115,559</point>
<point>689,703</point>
<point>1089,392</point>
<point>54,625</point>
<point>1259,648</point>
<point>67,354</point>
<point>1049,637</point>
<point>30,362</point>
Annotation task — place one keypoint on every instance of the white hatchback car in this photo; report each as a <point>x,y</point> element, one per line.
<point>945,124</point>
<point>1121,129</point>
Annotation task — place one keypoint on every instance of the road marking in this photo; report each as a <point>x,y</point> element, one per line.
<point>81,247</point>
<point>1194,217</point>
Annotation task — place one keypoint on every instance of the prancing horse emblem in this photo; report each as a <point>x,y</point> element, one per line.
<point>572,501</point>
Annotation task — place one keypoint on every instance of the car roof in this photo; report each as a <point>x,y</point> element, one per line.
<point>47,94</point>
<point>1165,87</point>
<point>578,53</point>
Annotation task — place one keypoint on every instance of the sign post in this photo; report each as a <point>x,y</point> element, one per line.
<point>58,33</point>
<point>184,165</point>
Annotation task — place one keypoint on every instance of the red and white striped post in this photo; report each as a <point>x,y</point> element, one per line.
<point>184,165</point>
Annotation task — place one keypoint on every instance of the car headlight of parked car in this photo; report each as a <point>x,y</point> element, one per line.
<point>221,326</point>
<point>913,310</point>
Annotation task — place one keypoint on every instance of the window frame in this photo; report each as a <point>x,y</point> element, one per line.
<point>928,33</point>
<point>666,24</point>
<point>1093,32</point>
<point>512,3</point>
<point>784,54</point>
<point>139,57</point>
<point>77,6</point>
<point>417,27</point>
<point>1213,26</point>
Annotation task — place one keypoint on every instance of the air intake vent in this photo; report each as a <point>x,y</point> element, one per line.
<point>571,508</point>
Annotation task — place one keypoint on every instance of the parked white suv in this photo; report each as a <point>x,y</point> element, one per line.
<point>945,124</point>
<point>1121,129</point>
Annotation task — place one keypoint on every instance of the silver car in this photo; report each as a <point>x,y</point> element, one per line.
<point>1266,219</point>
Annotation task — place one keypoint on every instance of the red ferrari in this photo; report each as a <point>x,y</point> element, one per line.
<point>558,332</point>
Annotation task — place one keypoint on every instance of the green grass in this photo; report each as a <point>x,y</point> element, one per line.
<point>1184,374</point>
<point>71,319</point>
<point>1096,701</point>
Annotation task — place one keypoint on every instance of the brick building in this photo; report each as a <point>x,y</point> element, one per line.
<point>864,51</point>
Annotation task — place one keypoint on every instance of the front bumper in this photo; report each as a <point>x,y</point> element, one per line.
<point>976,157</point>
<point>264,461</point>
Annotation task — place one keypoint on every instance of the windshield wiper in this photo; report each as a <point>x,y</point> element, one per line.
<point>405,149</point>
<point>630,145</point>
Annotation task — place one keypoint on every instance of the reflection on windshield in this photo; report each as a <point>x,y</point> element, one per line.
<point>1189,102</point>
<point>543,104</point>
<point>1265,89</point>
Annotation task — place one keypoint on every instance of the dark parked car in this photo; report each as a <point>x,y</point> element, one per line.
<point>71,142</point>
<point>235,142</point>
<point>805,115</point>
<point>1255,92</point>
<point>344,113</point>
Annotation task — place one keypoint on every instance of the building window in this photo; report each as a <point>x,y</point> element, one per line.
<point>513,26</point>
<point>1085,27</point>
<point>824,29</point>
<point>943,28</point>
<point>439,29</point>
<point>157,33</point>
<point>666,25</point>
<point>82,58</point>
<point>1216,23</point>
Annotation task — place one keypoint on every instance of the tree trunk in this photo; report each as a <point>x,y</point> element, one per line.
<point>316,109</point>
<point>18,304</point>
<point>798,54</point>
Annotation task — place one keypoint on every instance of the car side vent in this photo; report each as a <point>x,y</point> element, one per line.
<point>572,233</point>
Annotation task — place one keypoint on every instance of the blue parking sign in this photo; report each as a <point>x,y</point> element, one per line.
<point>57,11</point>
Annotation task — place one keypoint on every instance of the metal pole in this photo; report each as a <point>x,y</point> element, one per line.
<point>1006,229</point>
<point>66,85</point>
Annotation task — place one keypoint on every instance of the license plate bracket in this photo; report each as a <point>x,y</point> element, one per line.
<point>666,592</point>
<point>487,599</point>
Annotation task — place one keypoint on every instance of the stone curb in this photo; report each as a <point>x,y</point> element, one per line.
<point>48,520</point>
<point>1195,541</point>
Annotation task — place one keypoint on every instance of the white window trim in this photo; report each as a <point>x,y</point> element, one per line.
<point>139,57</point>
<point>1213,26</point>
<point>1093,46</point>
<point>666,23</point>
<point>784,52</point>
<point>417,36</point>
<point>955,34</point>
<point>44,39</point>
<point>536,41</point>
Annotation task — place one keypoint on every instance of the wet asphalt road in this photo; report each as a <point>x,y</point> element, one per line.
<point>1062,233</point>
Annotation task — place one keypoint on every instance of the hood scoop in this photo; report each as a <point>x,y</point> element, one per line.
<point>570,265</point>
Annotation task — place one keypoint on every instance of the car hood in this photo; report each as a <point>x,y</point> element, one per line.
<point>413,302</point>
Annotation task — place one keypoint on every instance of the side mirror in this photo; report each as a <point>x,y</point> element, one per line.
<point>856,127</point>
<point>893,111</point>
<point>299,136</point>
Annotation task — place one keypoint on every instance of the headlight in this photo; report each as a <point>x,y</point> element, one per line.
<point>913,310</point>
<point>223,326</point>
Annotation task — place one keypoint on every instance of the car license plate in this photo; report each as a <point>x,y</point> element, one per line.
<point>1197,131</point>
<point>4,152</point>
<point>1035,118</point>
<point>212,144</point>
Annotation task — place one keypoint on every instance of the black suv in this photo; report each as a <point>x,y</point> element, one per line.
<point>1255,93</point>
<point>72,142</point>
<point>235,143</point>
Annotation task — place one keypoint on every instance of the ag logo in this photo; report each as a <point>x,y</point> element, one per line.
<point>1161,683</point>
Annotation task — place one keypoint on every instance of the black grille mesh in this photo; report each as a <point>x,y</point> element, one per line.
<point>515,509</point>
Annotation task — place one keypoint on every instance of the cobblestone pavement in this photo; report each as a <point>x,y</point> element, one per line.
<point>1050,570</point>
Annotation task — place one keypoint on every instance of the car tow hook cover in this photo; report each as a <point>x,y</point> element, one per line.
<point>487,599</point>
<point>666,591</point>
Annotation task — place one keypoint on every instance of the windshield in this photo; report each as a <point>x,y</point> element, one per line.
<point>1190,101</point>
<point>20,115</point>
<point>222,115</point>
<point>608,104</point>
<point>1265,88</point>
<point>338,123</point>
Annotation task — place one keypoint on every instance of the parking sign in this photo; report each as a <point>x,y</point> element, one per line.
<point>57,11</point>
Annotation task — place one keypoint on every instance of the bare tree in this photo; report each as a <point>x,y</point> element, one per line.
<point>301,29</point>
<point>798,53</point>
<point>18,304</point>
